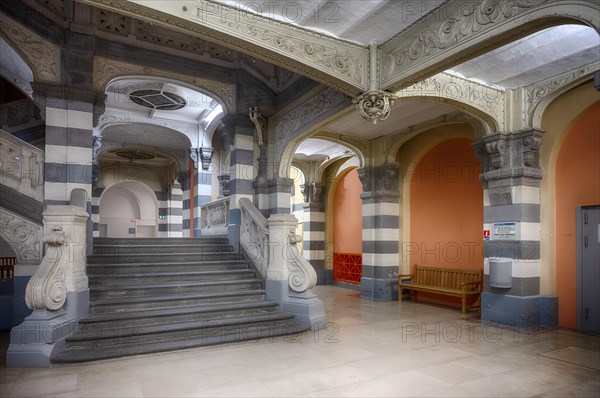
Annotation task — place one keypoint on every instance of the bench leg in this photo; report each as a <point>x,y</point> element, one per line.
<point>464,304</point>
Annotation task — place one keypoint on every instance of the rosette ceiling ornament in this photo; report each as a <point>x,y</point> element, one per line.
<point>374,104</point>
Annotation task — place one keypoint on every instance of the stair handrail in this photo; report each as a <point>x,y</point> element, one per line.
<point>254,235</point>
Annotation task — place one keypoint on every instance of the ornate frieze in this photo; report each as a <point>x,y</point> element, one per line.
<point>308,113</point>
<point>23,236</point>
<point>540,94</point>
<point>41,55</point>
<point>446,29</point>
<point>464,94</point>
<point>314,55</point>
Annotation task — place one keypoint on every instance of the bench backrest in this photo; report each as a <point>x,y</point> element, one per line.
<point>445,277</point>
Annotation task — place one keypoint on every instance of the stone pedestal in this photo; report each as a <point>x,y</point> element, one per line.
<point>308,309</point>
<point>61,276</point>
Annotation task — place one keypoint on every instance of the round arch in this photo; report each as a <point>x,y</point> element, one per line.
<point>129,205</point>
<point>558,120</point>
<point>200,86</point>
<point>288,153</point>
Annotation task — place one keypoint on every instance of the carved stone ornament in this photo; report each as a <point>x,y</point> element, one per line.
<point>260,123</point>
<point>449,27</point>
<point>302,275</point>
<point>312,192</point>
<point>97,144</point>
<point>224,184</point>
<point>41,54</point>
<point>545,90</point>
<point>203,155</point>
<point>23,236</point>
<point>299,120</point>
<point>46,288</point>
<point>374,105</point>
<point>496,150</point>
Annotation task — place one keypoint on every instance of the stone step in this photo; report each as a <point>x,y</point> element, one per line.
<point>98,292</point>
<point>134,279</point>
<point>267,331</point>
<point>116,305</point>
<point>95,325</point>
<point>162,257</point>
<point>217,239</point>
<point>162,248</point>
<point>192,266</point>
<point>111,336</point>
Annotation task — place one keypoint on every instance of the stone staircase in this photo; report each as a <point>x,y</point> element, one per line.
<point>150,294</point>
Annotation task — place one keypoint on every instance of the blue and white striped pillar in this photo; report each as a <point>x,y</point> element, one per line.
<point>511,177</point>
<point>202,195</point>
<point>241,169</point>
<point>314,230</point>
<point>380,232</point>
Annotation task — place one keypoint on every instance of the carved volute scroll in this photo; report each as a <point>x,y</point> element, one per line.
<point>46,288</point>
<point>302,274</point>
<point>260,123</point>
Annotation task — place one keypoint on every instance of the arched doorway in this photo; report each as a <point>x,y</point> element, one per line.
<point>347,228</point>
<point>128,209</point>
<point>577,213</point>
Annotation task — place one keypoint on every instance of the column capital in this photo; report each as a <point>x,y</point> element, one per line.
<point>383,180</point>
<point>509,159</point>
<point>312,192</point>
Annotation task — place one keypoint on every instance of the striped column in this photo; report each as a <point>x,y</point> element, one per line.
<point>314,231</point>
<point>68,159</point>
<point>202,195</point>
<point>380,232</point>
<point>280,192</point>
<point>96,194</point>
<point>69,144</point>
<point>242,171</point>
<point>163,210</point>
<point>511,177</point>
<point>184,182</point>
<point>175,214</point>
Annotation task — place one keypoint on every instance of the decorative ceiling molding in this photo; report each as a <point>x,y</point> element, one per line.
<point>305,115</point>
<point>40,55</point>
<point>111,118</point>
<point>457,31</point>
<point>537,96</point>
<point>336,62</point>
<point>480,100</point>
<point>106,69</point>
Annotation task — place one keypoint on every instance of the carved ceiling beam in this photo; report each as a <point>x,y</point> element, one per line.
<point>458,31</point>
<point>337,63</point>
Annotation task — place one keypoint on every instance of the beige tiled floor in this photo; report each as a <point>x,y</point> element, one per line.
<point>371,349</point>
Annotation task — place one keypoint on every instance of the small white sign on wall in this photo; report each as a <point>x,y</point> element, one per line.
<point>505,230</point>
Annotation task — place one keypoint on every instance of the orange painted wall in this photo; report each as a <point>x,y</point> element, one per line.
<point>577,184</point>
<point>347,215</point>
<point>446,208</point>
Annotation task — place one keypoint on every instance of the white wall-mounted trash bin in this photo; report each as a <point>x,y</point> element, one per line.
<point>501,272</point>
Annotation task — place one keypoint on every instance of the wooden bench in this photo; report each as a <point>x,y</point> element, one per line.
<point>447,281</point>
